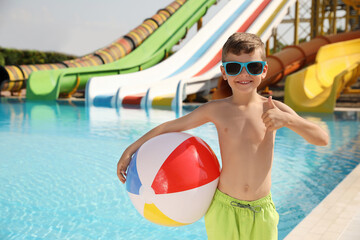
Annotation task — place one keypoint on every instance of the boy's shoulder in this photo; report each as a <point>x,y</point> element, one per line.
<point>218,102</point>
<point>213,106</point>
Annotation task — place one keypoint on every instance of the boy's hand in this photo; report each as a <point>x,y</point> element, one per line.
<point>122,167</point>
<point>274,118</point>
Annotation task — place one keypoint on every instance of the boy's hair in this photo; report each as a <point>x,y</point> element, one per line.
<point>243,43</point>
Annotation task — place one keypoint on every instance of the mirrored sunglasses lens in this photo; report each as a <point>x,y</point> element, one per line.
<point>233,68</point>
<point>255,68</point>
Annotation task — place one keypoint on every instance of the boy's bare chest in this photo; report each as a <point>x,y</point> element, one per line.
<point>247,128</point>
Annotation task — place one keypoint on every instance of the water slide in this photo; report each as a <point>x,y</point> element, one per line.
<point>106,90</point>
<point>47,85</point>
<point>316,87</point>
<point>13,77</point>
<point>289,60</point>
<point>195,59</point>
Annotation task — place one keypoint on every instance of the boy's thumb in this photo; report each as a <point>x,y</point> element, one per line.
<point>271,103</point>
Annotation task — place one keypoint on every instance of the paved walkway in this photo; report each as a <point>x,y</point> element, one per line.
<point>336,217</point>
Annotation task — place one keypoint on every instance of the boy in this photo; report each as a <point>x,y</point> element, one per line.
<point>246,123</point>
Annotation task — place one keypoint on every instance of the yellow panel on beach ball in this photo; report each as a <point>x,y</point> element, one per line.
<point>152,213</point>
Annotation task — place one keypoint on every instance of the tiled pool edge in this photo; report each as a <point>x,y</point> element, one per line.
<point>335,216</point>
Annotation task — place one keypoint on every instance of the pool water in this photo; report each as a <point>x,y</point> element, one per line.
<point>58,170</point>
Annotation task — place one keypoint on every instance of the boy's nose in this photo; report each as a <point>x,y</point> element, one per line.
<point>243,71</point>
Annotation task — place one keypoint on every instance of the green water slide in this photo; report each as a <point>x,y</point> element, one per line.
<point>48,85</point>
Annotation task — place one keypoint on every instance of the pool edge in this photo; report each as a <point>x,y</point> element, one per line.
<point>335,216</point>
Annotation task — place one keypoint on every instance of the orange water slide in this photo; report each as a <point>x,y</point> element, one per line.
<point>289,60</point>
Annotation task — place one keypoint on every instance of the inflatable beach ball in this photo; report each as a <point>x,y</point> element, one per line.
<point>172,178</point>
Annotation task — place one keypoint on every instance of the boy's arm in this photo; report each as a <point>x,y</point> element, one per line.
<point>280,115</point>
<point>194,119</point>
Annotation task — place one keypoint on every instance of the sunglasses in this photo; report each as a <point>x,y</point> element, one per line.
<point>253,68</point>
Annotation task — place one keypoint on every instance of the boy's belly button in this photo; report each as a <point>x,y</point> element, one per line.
<point>246,187</point>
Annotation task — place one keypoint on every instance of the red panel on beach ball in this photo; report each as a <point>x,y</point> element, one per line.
<point>191,165</point>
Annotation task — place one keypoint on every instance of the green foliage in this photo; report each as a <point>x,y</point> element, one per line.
<point>9,56</point>
<point>301,40</point>
<point>279,46</point>
<point>2,60</point>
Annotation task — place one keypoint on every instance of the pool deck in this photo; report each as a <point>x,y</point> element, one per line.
<point>337,216</point>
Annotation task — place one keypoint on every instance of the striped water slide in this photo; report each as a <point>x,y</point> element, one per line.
<point>111,88</point>
<point>163,92</point>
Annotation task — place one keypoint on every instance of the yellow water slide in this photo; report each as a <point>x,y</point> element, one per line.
<point>316,88</point>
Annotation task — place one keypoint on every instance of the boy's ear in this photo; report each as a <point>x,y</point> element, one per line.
<point>222,69</point>
<point>263,75</point>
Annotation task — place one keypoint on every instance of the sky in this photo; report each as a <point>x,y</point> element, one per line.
<point>76,27</point>
<point>80,27</point>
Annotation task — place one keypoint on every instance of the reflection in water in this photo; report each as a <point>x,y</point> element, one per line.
<point>347,116</point>
<point>49,111</point>
<point>55,116</point>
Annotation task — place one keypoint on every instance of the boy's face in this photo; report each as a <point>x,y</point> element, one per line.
<point>244,82</point>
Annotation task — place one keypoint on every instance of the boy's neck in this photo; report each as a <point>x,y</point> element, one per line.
<point>244,99</point>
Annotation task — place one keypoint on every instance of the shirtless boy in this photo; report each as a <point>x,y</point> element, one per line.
<point>246,123</point>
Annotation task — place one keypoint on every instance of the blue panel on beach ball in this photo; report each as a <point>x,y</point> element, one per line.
<point>133,183</point>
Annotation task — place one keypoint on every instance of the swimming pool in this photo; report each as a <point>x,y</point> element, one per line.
<point>58,170</point>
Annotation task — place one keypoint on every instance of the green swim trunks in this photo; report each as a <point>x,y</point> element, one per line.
<point>231,219</point>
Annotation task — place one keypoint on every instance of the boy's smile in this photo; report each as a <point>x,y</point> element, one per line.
<point>243,82</point>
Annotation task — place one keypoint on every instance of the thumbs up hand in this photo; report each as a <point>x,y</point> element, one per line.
<point>270,103</point>
<point>273,117</point>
